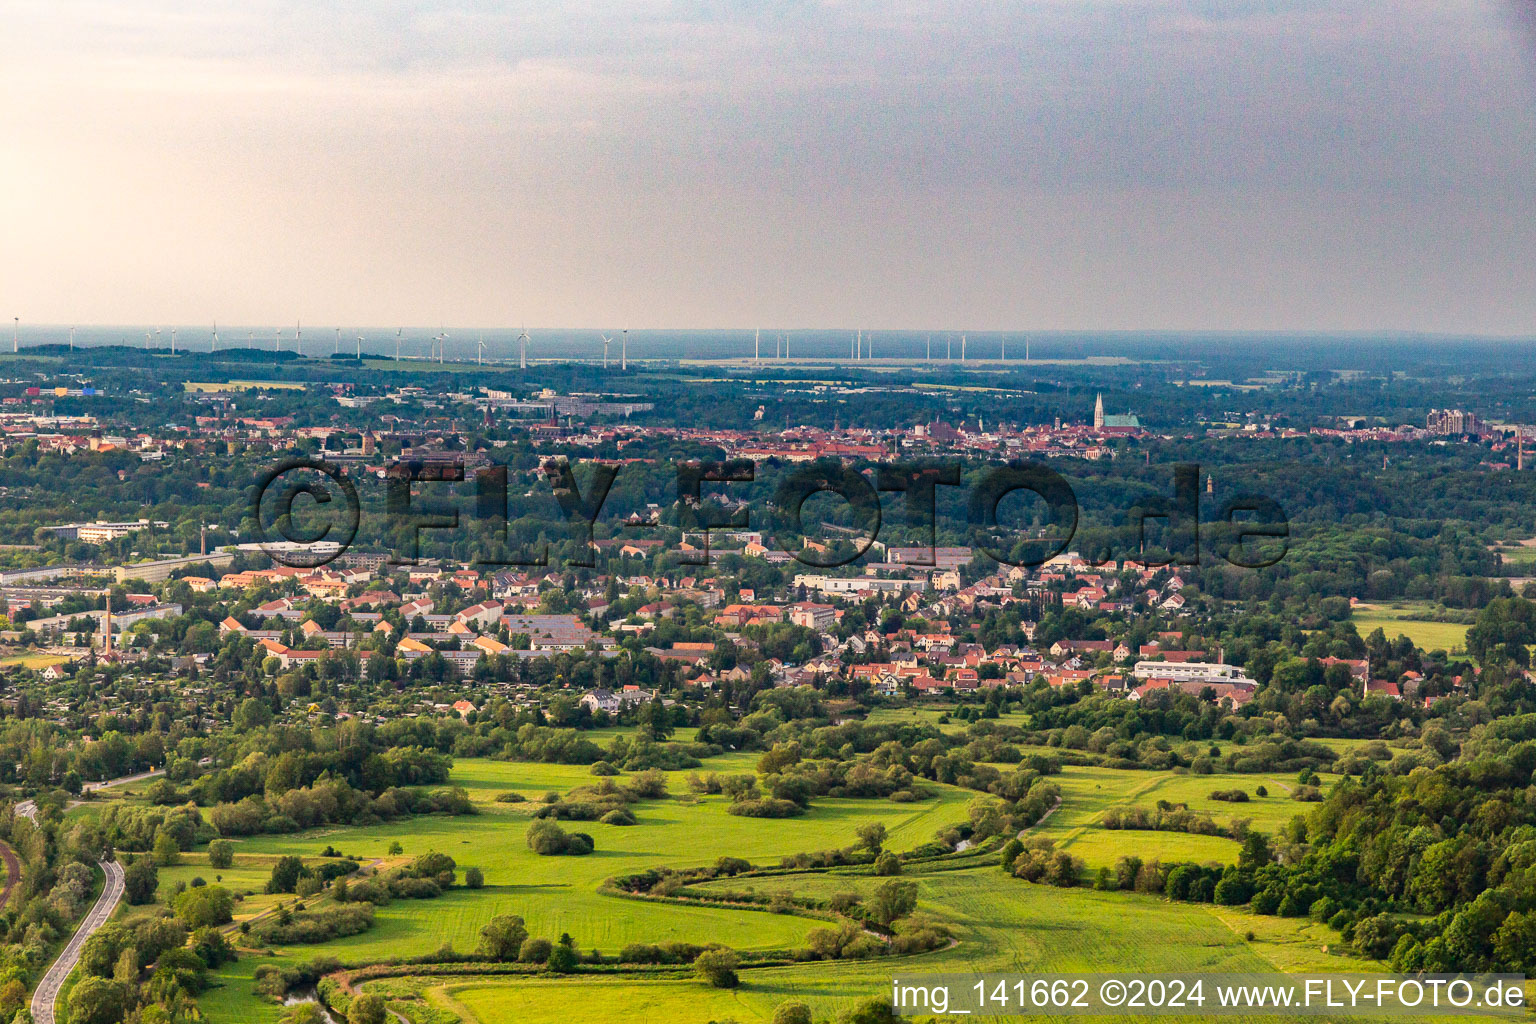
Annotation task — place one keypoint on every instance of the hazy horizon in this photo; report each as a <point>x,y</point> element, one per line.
<point>1095,166</point>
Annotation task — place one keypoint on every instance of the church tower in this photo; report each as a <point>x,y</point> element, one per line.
<point>1098,412</point>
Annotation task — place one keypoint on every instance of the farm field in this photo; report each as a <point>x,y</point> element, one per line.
<point>1446,636</point>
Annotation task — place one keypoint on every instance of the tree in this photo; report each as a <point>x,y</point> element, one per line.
<point>395,849</point>
<point>887,864</point>
<point>503,938</point>
<point>474,878</point>
<point>366,1009</point>
<point>221,853</point>
<point>97,1001</point>
<point>167,852</point>
<point>718,967</point>
<point>871,836</point>
<point>893,900</point>
<point>562,959</point>
<point>140,880</point>
<point>285,875</point>
<point>658,720</point>
<point>792,1012</point>
<point>206,905</point>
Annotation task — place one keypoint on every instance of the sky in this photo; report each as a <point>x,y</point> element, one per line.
<point>886,164</point>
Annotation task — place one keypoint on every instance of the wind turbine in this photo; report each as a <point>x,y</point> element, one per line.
<point>441,337</point>
<point>962,348</point>
<point>277,342</point>
<point>298,337</point>
<point>398,331</point>
<point>606,342</point>
<point>624,351</point>
<point>930,348</point>
<point>173,341</point>
<point>15,334</point>
<point>157,334</point>
<point>757,346</point>
<point>213,344</point>
<point>522,343</point>
<point>480,350</point>
<point>359,348</point>
<point>71,339</point>
<point>337,349</point>
<point>1005,348</point>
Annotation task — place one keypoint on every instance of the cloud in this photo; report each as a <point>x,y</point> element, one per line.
<point>843,160</point>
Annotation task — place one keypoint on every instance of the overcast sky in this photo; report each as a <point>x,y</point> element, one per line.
<point>1052,164</point>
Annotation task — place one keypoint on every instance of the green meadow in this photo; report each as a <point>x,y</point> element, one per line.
<point>999,923</point>
<point>1393,621</point>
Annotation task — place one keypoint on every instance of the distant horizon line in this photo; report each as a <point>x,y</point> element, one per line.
<point>321,328</point>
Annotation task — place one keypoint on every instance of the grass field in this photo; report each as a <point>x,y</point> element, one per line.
<point>1447,636</point>
<point>1000,923</point>
<point>1003,925</point>
<point>559,894</point>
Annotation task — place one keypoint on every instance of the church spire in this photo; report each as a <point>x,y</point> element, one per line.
<point>1098,412</point>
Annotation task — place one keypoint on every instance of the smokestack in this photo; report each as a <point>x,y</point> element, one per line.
<point>107,626</point>
<point>202,539</point>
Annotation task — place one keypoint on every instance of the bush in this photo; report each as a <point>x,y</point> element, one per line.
<point>767,807</point>
<point>718,967</point>
<point>474,878</point>
<point>549,839</point>
<point>510,797</point>
<point>792,1013</point>
<point>619,816</point>
<point>315,925</point>
<point>887,864</point>
<point>1235,796</point>
<point>535,951</point>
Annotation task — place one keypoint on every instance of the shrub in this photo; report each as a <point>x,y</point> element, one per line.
<point>510,797</point>
<point>549,839</point>
<point>767,807</point>
<point>792,1013</point>
<point>619,816</point>
<point>535,951</point>
<point>887,864</point>
<point>474,878</point>
<point>718,967</point>
<point>315,925</point>
<point>1235,796</point>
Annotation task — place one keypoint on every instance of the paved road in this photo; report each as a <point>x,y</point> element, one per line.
<point>48,989</point>
<point>47,993</point>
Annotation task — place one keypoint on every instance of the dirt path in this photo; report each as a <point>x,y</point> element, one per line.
<point>1025,831</point>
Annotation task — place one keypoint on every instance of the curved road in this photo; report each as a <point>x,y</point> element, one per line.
<point>48,989</point>
<point>47,993</point>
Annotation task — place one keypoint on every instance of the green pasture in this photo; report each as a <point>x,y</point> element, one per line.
<point>1393,621</point>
